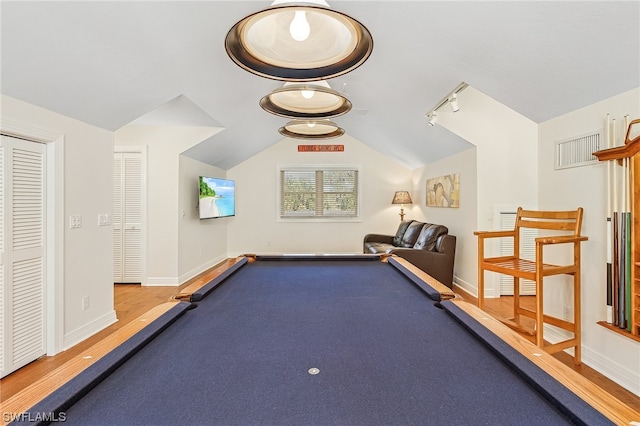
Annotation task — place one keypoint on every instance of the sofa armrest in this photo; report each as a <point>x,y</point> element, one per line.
<point>446,244</point>
<point>439,264</point>
<point>378,238</point>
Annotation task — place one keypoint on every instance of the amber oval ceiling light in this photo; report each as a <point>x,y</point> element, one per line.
<point>299,42</point>
<point>315,100</point>
<point>311,129</point>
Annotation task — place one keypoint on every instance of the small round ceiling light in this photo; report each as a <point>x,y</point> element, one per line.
<point>293,41</point>
<point>315,100</point>
<point>311,129</point>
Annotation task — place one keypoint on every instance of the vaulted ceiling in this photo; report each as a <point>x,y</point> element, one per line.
<point>109,63</point>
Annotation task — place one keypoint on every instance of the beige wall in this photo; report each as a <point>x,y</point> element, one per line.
<point>615,356</point>
<point>257,228</point>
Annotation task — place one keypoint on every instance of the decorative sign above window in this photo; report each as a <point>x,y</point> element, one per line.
<point>320,148</point>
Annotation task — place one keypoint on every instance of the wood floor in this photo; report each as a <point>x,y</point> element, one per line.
<point>131,301</point>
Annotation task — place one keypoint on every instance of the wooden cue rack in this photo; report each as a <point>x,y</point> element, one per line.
<point>630,150</point>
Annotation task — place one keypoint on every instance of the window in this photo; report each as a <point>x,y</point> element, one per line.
<point>328,193</point>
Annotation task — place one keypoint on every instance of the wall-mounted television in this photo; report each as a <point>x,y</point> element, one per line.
<point>217,197</point>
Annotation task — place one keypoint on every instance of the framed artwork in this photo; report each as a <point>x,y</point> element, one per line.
<point>444,191</point>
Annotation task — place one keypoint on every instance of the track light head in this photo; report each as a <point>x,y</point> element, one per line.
<point>453,102</point>
<point>433,118</point>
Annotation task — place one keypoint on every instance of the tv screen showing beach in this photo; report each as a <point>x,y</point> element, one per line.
<point>217,198</point>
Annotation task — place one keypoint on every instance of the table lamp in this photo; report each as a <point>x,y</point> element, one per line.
<point>402,198</point>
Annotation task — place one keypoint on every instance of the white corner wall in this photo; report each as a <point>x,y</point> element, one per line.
<point>507,165</point>
<point>461,221</point>
<point>256,228</point>
<point>202,243</point>
<point>88,191</point>
<point>164,145</point>
<point>614,355</point>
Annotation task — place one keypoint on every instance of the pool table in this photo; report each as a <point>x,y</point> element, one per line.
<point>325,340</point>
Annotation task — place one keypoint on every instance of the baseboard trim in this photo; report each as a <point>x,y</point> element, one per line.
<point>177,281</point>
<point>201,268</point>
<point>80,334</point>
<point>471,289</point>
<point>626,378</point>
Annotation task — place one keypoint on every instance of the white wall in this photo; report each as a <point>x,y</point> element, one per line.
<point>164,145</point>
<point>202,243</point>
<point>615,356</point>
<point>461,221</point>
<point>88,191</point>
<point>256,228</point>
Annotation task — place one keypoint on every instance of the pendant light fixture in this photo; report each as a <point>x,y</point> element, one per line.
<point>293,41</point>
<point>311,129</point>
<point>314,100</point>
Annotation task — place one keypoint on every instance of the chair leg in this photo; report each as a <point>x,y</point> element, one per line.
<point>539,311</point>
<point>480,288</point>
<point>577,317</point>
<point>516,300</point>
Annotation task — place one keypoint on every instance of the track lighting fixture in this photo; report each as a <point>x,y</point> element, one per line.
<point>451,99</point>
<point>453,102</point>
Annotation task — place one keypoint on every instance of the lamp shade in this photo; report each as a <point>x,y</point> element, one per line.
<point>402,197</point>
<point>311,129</point>
<point>268,43</point>
<point>315,100</point>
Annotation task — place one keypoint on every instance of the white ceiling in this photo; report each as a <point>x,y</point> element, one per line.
<point>110,63</point>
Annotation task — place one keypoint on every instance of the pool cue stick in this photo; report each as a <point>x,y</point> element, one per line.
<point>616,261</point>
<point>628,247</point>
<point>609,231</point>
<point>622,292</point>
<point>628,236</point>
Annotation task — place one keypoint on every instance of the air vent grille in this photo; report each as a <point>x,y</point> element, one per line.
<point>577,151</point>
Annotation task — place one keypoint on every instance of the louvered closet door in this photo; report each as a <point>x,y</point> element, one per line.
<point>22,250</point>
<point>127,218</point>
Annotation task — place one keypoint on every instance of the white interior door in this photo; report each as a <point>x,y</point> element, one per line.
<point>127,217</point>
<point>22,253</point>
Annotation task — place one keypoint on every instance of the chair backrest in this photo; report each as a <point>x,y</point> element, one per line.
<point>570,220</point>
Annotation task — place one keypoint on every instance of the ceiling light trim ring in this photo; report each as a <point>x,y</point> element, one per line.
<point>302,112</point>
<point>235,48</point>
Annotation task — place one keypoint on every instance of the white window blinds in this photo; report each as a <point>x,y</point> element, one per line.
<point>319,193</point>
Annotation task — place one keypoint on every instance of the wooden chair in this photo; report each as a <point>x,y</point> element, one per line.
<point>567,221</point>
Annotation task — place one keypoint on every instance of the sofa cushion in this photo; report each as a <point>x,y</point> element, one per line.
<point>411,234</point>
<point>429,236</point>
<point>397,239</point>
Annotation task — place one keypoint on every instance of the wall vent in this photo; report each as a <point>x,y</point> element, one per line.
<point>577,151</point>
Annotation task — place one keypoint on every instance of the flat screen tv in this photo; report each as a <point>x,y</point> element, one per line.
<point>217,197</point>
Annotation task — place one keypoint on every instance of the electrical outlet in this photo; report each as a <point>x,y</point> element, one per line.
<point>85,303</point>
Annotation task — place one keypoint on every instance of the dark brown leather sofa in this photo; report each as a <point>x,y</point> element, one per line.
<point>427,246</point>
